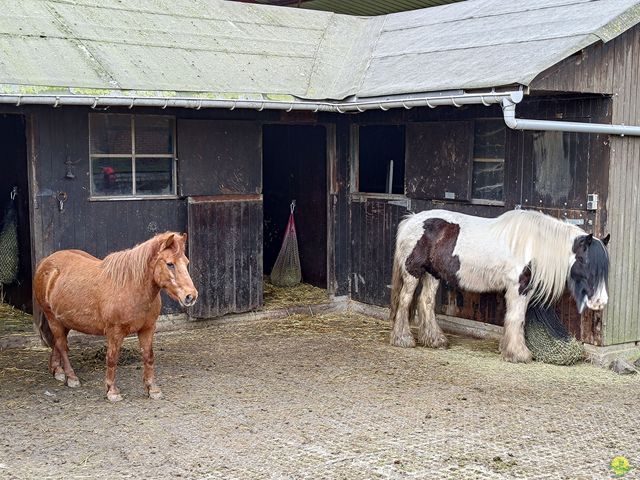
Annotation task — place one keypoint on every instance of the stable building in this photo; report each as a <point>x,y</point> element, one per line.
<point>123,120</point>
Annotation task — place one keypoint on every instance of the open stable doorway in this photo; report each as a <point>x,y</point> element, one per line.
<point>15,236</point>
<point>295,168</point>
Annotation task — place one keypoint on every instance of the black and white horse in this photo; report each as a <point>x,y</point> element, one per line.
<point>529,256</point>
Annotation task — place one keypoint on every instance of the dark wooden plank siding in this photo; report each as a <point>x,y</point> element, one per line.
<point>219,157</point>
<point>225,248</point>
<point>560,169</point>
<point>340,212</point>
<point>438,160</point>
<point>373,229</point>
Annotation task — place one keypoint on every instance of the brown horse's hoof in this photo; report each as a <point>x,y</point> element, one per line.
<point>114,397</point>
<point>73,382</point>
<point>60,376</point>
<point>155,394</point>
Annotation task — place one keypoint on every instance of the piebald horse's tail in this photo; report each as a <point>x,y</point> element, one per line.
<point>396,287</point>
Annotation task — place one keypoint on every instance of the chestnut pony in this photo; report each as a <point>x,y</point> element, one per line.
<point>115,297</point>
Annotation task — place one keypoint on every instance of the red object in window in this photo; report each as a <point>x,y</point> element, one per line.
<point>109,177</point>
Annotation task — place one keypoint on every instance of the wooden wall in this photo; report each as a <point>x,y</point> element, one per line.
<point>220,154</point>
<point>614,68</point>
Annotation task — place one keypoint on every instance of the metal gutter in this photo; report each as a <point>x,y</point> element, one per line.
<point>509,112</point>
<point>507,99</point>
<point>456,98</point>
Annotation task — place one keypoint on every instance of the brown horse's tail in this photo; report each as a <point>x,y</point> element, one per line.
<point>41,325</point>
<point>396,287</point>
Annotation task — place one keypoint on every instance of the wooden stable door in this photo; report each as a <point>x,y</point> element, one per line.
<point>225,250</point>
<point>221,174</point>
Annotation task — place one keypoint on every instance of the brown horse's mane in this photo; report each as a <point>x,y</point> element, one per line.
<point>130,266</point>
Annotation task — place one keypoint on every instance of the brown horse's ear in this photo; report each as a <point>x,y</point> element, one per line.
<point>168,242</point>
<point>184,237</point>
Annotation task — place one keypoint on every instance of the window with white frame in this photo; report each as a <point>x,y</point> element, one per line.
<point>488,161</point>
<point>132,155</point>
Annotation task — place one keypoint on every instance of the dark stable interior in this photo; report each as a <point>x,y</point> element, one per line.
<point>295,168</point>
<point>14,178</point>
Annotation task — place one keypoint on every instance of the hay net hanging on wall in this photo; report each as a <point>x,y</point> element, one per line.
<point>286,271</point>
<point>9,242</point>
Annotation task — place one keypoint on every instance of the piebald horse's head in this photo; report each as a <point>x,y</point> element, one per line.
<point>170,271</point>
<point>589,271</point>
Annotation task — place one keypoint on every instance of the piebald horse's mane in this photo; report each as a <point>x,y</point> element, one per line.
<point>130,266</point>
<point>544,241</point>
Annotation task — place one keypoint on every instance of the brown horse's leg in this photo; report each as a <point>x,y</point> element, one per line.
<point>145,337</point>
<point>114,343</point>
<point>57,363</point>
<point>63,349</point>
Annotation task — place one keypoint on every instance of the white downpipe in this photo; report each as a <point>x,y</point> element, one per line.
<point>509,112</point>
<point>358,105</point>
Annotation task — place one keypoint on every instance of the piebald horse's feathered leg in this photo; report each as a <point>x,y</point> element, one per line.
<point>512,344</point>
<point>401,335</point>
<point>429,332</point>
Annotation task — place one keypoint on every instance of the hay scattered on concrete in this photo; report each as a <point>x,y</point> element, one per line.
<point>301,294</point>
<point>128,355</point>
<point>13,320</point>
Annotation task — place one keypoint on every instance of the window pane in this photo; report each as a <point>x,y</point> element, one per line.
<point>489,139</point>
<point>380,148</point>
<point>488,180</point>
<point>154,176</point>
<point>110,134</point>
<point>111,176</point>
<point>154,135</point>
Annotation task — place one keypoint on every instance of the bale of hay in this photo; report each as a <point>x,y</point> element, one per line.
<point>548,339</point>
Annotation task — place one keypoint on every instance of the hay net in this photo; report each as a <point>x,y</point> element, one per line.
<point>548,339</point>
<point>9,242</point>
<point>286,271</point>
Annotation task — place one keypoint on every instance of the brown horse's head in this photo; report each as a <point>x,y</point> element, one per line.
<point>170,271</point>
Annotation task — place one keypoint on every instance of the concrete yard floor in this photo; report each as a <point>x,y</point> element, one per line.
<point>316,397</point>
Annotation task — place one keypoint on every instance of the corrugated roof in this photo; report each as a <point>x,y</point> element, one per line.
<point>213,48</point>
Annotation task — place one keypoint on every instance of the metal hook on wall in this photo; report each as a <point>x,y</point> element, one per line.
<point>61,197</point>
<point>14,192</point>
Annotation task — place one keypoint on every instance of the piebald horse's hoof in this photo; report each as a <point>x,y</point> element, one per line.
<point>518,356</point>
<point>60,376</point>
<point>73,382</point>
<point>435,341</point>
<point>405,341</point>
